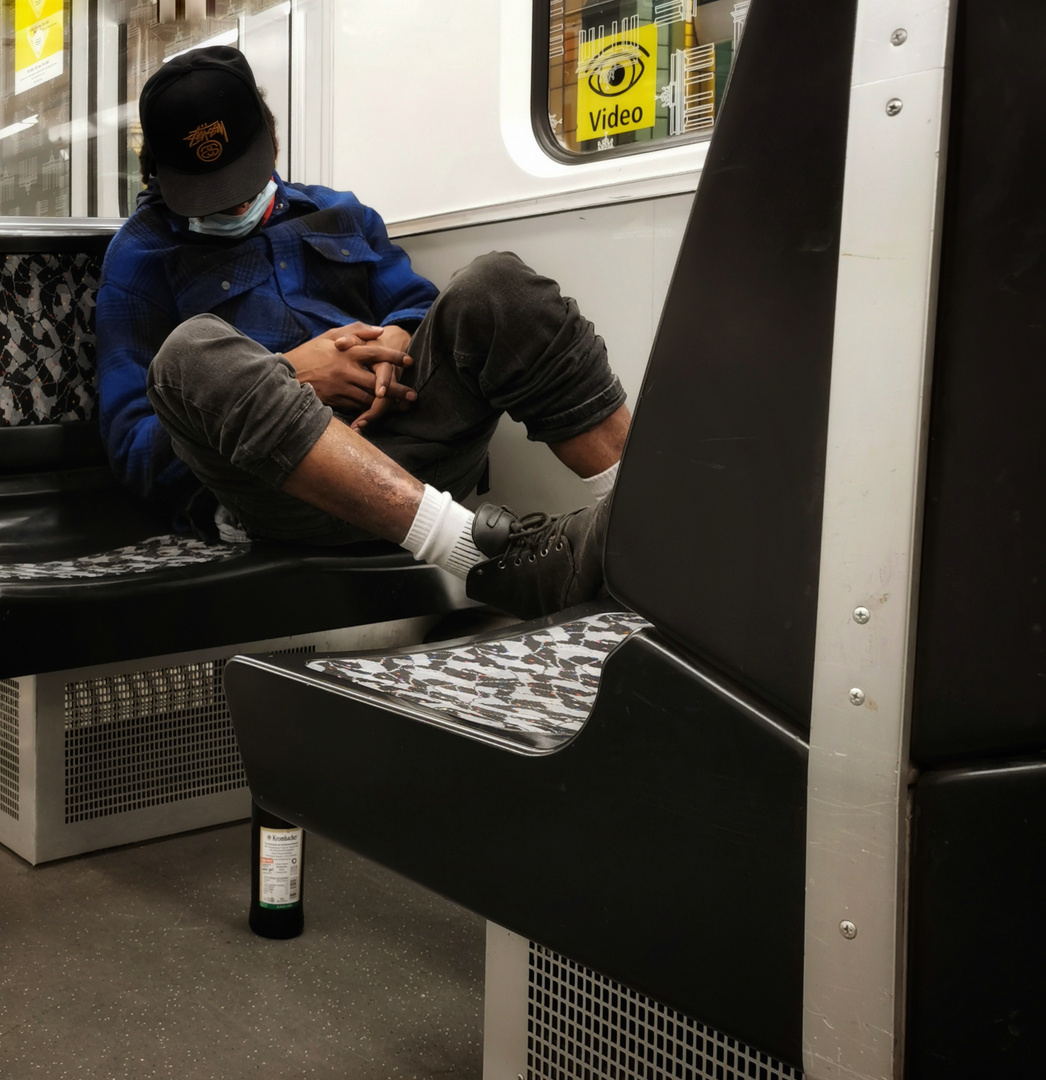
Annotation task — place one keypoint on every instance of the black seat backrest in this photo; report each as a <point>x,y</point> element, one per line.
<point>715,529</point>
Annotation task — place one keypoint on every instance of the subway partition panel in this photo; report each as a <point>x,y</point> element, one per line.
<point>715,530</point>
<point>977,993</point>
<point>661,845</point>
<point>980,689</point>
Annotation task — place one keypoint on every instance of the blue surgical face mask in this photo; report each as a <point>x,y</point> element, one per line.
<point>235,226</point>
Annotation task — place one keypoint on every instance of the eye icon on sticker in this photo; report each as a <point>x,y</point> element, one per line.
<point>617,68</point>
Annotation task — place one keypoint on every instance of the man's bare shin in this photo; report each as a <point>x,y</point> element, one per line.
<point>597,449</point>
<point>351,479</point>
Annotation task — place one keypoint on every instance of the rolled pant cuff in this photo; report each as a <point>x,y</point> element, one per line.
<point>298,434</point>
<point>580,418</point>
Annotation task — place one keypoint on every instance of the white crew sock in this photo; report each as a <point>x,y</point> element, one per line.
<point>602,483</point>
<point>441,534</point>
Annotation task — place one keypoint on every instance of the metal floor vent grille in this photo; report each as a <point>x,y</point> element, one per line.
<point>149,737</point>
<point>584,1026</point>
<point>9,791</point>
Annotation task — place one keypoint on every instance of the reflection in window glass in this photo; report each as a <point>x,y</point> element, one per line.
<point>34,108</point>
<point>624,72</point>
<point>52,147</point>
<point>258,27</point>
<point>148,45</point>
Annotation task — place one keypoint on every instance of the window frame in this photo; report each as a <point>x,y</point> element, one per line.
<point>550,145</point>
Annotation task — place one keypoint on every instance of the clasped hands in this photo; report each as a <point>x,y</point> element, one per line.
<point>356,367</point>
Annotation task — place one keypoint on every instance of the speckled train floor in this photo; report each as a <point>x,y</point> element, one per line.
<point>138,963</point>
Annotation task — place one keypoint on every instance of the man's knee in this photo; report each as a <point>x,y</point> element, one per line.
<point>205,371</point>
<point>490,277</point>
<point>184,357</point>
<point>497,292</point>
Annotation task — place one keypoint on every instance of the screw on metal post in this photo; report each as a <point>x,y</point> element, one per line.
<point>861,615</point>
<point>848,929</point>
<point>894,106</point>
<point>899,36</point>
<point>856,696</point>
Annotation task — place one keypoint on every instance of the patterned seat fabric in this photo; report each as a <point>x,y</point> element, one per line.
<point>157,553</point>
<point>542,682</point>
<point>47,337</point>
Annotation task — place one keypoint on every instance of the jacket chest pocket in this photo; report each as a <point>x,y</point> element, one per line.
<point>338,271</point>
<point>238,287</point>
<point>210,279</point>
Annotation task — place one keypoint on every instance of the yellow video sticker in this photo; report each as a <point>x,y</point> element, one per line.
<point>617,83</point>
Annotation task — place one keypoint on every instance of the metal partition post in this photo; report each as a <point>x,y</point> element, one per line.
<point>505,1005</point>
<point>109,164</point>
<point>312,133</point>
<point>858,779</point>
<point>79,109</point>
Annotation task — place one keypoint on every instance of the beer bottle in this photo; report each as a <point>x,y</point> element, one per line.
<point>277,875</point>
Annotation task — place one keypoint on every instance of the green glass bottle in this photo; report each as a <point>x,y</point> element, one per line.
<point>277,876</point>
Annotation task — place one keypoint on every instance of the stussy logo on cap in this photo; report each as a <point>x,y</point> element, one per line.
<point>204,138</point>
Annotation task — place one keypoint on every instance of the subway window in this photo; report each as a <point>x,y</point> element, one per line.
<point>35,108</point>
<point>149,34</point>
<point>70,76</point>
<point>626,74</point>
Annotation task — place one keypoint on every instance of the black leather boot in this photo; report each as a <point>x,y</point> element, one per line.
<point>538,563</point>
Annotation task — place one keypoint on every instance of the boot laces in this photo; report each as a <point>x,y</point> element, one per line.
<point>535,534</point>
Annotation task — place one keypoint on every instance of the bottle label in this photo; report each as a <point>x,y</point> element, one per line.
<point>279,884</point>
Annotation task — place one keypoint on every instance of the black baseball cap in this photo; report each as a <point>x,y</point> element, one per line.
<point>204,121</point>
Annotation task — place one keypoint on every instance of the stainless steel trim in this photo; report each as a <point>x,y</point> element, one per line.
<point>58,227</point>
<point>857,810</point>
<point>505,1005</point>
<point>79,121</point>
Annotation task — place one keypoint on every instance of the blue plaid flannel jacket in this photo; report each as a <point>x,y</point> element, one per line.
<point>323,259</point>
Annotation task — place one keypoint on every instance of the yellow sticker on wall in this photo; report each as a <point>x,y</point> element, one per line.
<point>617,83</point>
<point>39,42</point>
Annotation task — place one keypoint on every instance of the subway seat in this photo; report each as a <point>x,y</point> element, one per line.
<point>113,722</point>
